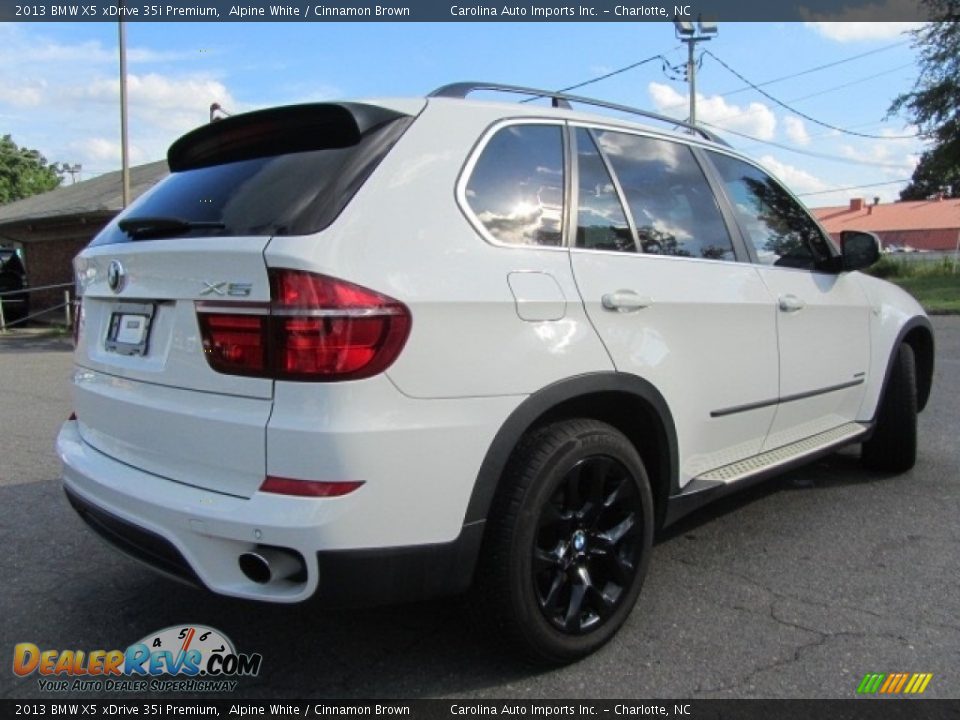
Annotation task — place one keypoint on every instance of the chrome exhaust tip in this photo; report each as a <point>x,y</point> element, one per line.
<point>264,565</point>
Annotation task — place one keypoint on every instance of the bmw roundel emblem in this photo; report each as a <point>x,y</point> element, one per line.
<point>116,276</point>
<point>579,541</point>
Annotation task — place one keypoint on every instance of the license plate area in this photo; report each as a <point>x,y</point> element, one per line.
<point>129,330</point>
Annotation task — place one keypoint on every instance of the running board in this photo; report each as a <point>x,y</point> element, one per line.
<point>733,477</point>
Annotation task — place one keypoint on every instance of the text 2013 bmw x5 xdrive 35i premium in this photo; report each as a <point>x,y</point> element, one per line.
<point>382,350</point>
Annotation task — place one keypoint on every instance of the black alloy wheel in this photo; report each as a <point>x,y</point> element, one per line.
<point>588,544</point>
<point>567,541</point>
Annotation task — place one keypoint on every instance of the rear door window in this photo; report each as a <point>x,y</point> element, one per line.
<point>516,187</point>
<point>673,207</point>
<point>601,221</point>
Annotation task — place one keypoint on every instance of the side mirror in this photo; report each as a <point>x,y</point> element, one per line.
<point>860,249</point>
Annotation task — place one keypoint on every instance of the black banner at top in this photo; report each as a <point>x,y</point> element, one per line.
<point>461,10</point>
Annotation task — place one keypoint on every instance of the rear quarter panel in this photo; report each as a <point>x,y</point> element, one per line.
<point>404,235</point>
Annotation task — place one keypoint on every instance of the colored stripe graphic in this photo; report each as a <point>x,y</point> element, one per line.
<point>894,683</point>
<point>922,680</point>
<point>870,683</point>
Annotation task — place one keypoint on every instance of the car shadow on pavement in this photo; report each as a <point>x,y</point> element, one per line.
<point>839,469</point>
<point>79,593</point>
<point>83,594</point>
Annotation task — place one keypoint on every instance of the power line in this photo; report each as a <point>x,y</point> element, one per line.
<point>853,187</point>
<point>801,72</point>
<point>812,137</point>
<point>833,89</point>
<point>810,153</point>
<point>816,69</point>
<point>804,115</point>
<point>610,74</point>
<point>852,83</point>
<point>842,86</point>
<point>824,92</point>
<point>749,85</point>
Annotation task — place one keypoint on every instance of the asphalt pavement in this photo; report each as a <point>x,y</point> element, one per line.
<point>794,589</point>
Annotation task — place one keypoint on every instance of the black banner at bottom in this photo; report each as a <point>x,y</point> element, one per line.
<point>854,709</point>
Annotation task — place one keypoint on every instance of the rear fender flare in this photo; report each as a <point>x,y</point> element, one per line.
<point>538,405</point>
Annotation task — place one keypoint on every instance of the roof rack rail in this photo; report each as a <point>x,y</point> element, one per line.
<point>563,100</point>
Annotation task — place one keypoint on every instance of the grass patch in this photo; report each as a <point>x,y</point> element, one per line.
<point>890,267</point>
<point>937,293</point>
<point>934,283</point>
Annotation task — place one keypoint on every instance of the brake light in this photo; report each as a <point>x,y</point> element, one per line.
<point>316,328</point>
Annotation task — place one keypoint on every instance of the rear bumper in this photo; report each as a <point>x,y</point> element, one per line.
<point>351,577</point>
<point>136,542</point>
<point>399,536</point>
<point>208,531</point>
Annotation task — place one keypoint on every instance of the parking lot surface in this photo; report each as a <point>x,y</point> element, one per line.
<point>796,588</point>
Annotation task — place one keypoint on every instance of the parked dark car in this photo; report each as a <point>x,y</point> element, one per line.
<point>13,277</point>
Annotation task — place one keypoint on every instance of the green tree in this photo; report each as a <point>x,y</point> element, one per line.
<point>934,104</point>
<point>937,171</point>
<point>25,172</point>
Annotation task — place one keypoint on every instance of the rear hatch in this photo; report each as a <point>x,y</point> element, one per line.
<point>146,391</point>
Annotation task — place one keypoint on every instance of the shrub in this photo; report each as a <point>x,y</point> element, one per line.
<point>887,267</point>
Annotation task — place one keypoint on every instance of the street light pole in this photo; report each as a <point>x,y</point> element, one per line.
<point>692,77</point>
<point>691,36</point>
<point>124,146</point>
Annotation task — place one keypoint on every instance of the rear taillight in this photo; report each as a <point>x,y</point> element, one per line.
<point>234,344</point>
<point>315,328</point>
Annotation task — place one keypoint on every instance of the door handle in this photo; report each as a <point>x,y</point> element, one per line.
<point>625,301</point>
<point>791,303</point>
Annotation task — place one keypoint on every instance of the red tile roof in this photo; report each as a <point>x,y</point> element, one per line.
<point>912,215</point>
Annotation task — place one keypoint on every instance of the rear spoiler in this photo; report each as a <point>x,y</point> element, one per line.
<point>277,131</point>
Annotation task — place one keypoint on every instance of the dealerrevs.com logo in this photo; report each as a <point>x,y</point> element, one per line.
<point>180,658</point>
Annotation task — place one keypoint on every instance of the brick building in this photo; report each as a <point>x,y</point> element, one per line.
<point>919,224</point>
<point>53,227</point>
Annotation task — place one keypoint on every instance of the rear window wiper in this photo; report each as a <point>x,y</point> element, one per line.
<point>139,227</point>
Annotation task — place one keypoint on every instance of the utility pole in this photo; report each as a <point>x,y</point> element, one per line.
<point>124,145</point>
<point>686,33</point>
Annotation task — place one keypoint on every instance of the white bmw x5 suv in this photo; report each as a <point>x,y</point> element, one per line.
<point>374,351</point>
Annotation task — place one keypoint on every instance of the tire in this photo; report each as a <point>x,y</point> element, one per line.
<point>893,446</point>
<point>568,541</point>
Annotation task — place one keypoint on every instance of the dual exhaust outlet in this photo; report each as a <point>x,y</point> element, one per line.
<point>264,565</point>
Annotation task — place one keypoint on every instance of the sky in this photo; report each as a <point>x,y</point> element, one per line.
<point>59,87</point>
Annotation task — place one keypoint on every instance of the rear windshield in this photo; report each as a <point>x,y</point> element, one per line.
<point>267,173</point>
